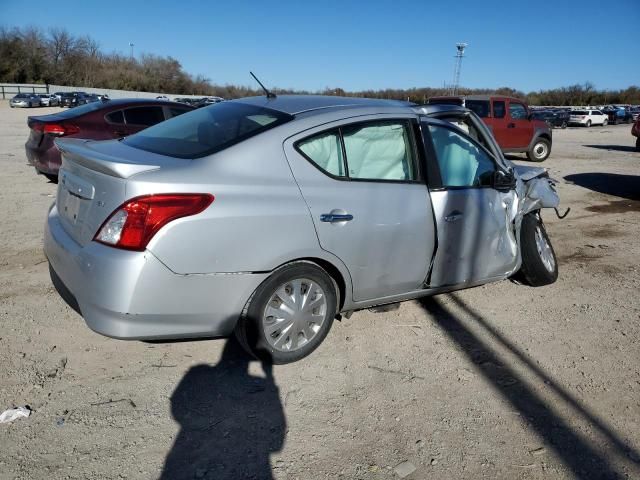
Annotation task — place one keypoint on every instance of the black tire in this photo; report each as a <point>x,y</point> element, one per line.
<point>249,330</point>
<point>605,122</point>
<point>52,178</point>
<point>540,150</point>
<point>588,123</point>
<point>533,270</point>
<point>564,125</point>
<point>638,144</point>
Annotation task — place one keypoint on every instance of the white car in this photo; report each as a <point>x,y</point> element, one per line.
<point>587,118</point>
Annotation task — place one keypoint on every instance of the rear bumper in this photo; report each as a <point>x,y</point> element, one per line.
<point>132,295</point>
<point>45,160</point>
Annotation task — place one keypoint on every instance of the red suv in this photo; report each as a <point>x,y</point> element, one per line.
<point>635,131</point>
<point>511,122</point>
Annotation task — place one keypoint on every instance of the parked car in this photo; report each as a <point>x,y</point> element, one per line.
<point>510,121</point>
<point>587,118</point>
<point>205,102</point>
<point>25,100</point>
<point>95,120</point>
<point>59,97</point>
<point>635,111</point>
<point>70,99</point>
<point>270,216</point>
<point>85,98</point>
<point>553,118</point>
<point>635,131</point>
<point>616,115</point>
<point>47,100</point>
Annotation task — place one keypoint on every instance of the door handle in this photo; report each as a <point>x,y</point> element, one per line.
<point>453,216</point>
<point>336,217</point>
<point>511,125</point>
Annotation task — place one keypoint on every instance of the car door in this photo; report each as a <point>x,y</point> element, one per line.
<point>519,125</point>
<point>368,200</point>
<point>475,231</point>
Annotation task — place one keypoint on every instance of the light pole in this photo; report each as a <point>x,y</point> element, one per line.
<point>131,45</point>
<point>458,66</point>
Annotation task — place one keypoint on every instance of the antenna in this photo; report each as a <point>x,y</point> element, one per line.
<point>458,67</point>
<point>267,92</point>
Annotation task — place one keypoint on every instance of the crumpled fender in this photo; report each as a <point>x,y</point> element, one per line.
<point>539,193</point>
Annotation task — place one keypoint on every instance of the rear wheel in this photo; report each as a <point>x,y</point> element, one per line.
<point>605,122</point>
<point>588,123</point>
<point>540,150</point>
<point>564,125</point>
<point>52,178</point>
<point>290,314</point>
<point>638,144</point>
<point>539,263</point>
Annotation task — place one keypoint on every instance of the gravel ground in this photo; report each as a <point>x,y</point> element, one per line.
<point>500,381</point>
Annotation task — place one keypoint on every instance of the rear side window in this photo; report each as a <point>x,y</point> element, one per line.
<point>517,111</point>
<point>579,112</point>
<point>144,116</point>
<point>174,111</point>
<point>499,109</point>
<point>479,107</point>
<point>207,130</point>
<point>373,151</point>
<point>325,151</point>
<point>379,152</point>
<point>115,117</point>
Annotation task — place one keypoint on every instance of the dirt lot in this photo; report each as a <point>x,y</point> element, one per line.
<point>502,381</point>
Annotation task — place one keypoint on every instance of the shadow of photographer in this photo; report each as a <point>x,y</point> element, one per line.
<point>230,421</point>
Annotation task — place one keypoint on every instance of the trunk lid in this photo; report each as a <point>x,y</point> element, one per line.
<point>93,180</point>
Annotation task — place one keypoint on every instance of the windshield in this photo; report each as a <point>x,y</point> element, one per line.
<point>207,130</point>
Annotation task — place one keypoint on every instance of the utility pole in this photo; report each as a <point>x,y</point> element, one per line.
<point>457,67</point>
<point>131,45</point>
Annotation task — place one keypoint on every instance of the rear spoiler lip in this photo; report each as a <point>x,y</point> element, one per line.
<point>80,152</point>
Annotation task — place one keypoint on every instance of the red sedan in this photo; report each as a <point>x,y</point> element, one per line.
<point>103,120</point>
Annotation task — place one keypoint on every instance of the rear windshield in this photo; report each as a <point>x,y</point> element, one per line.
<point>207,130</point>
<point>479,107</point>
<point>579,112</point>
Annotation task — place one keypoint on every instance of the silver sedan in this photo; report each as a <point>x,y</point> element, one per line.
<point>270,217</point>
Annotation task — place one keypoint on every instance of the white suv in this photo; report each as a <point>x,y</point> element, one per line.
<point>588,118</point>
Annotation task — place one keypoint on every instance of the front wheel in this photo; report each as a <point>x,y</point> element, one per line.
<point>588,123</point>
<point>290,314</point>
<point>638,144</point>
<point>564,125</point>
<point>605,122</point>
<point>540,150</point>
<point>539,262</point>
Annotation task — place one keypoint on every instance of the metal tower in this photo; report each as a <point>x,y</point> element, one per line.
<point>458,67</point>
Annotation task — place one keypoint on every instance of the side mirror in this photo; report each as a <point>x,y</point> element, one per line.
<point>503,181</point>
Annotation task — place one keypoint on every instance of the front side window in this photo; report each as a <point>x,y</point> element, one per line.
<point>207,130</point>
<point>517,111</point>
<point>462,163</point>
<point>379,151</point>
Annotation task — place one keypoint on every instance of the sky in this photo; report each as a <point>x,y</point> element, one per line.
<point>359,45</point>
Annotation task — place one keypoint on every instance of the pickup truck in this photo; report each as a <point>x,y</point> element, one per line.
<point>510,121</point>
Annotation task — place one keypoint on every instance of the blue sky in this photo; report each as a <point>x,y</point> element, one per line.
<point>527,45</point>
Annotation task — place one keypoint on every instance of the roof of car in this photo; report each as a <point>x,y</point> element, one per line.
<point>296,104</point>
<point>134,101</point>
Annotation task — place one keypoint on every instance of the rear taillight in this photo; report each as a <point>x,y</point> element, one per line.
<point>133,224</point>
<point>60,129</point>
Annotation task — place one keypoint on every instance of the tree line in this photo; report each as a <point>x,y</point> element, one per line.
<point>33,55</point>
